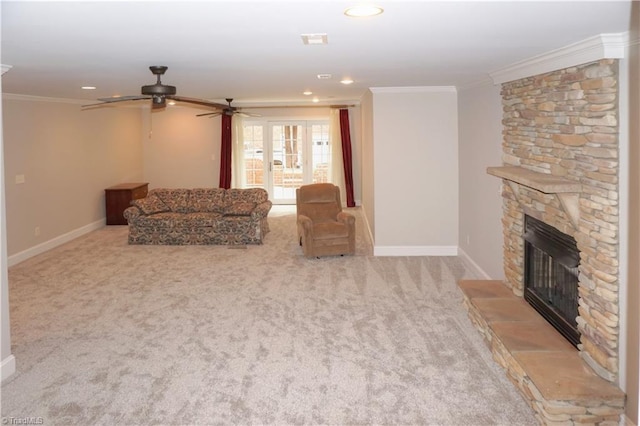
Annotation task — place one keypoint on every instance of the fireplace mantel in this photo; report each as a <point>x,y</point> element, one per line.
<point>567,191</point>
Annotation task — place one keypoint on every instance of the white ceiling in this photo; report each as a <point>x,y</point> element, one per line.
<point>252,50</point>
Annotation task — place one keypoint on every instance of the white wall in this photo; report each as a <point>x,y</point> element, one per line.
<point>368,180</point>
<point>180,149</point>
<point>7,360</point>
<point>480,136</point>
<point>67,157</point>
<point>415,133</point>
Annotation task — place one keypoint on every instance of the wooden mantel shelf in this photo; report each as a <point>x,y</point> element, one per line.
<point>567,191</point>
<point>542,182</point>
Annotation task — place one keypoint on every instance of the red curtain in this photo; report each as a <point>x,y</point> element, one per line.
<point>347,159</point>
<point>225,152</point>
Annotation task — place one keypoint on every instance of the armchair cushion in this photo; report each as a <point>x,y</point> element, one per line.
<point>328,230</point>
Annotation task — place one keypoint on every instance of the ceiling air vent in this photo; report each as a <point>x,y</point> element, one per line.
<point>314,38</point>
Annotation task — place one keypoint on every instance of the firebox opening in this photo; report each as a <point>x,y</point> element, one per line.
<point>551,260</point>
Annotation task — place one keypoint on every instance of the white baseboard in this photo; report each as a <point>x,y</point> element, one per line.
<point>415,250</point>
<point>8,367</point>
<point>55,242</point>
<point>474,266</point>
<point>407,250</point>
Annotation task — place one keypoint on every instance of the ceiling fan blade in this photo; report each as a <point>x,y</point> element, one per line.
<point>295,106</point>
<point>209,114</point>
<point>106,101</point>
<point>124,98</point>
<point>197,101</point>
<point>247,114</point>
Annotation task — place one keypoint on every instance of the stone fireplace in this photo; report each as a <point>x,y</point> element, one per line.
<point>560,169</point>
<point>560,166</point>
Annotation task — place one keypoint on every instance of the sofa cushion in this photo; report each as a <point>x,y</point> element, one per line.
<point>176,199</point>
<point>239,208</point>
<point>198,220</point>
<point>151,205</point>
<point>210,200</point>
<point>251,195</point>
<point>159,220</point>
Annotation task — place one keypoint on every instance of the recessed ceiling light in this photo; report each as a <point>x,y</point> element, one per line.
<point>363,10</point>
<point>172,103</point>
<point>307,93</point>
<point>346,81</point>
<point>324,76</point>
<point>315,100</point>
<point>88,87</point>
<point>314,38</point>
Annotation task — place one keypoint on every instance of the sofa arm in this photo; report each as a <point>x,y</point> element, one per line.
<point>261,210</point>
<point>131,213</point>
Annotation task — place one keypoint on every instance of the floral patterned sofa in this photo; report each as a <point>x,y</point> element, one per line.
<point>199,216</point>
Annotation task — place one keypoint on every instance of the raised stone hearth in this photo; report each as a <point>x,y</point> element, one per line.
<point>560,387</point>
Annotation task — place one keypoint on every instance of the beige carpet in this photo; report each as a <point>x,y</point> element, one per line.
<point>111,334</point>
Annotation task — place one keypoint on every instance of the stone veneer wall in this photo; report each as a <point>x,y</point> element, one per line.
<point>565,123</point>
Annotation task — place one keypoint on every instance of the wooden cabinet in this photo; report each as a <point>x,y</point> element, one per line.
<point>118,198</point>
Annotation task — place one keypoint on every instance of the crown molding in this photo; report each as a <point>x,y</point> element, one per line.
<point>482,82</point>
<point>31,98</point>
<point>602,46</point>
<point>413,89</point>
<point>4,68</point>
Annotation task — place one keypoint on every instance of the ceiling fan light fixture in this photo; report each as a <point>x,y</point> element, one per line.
<point>363,11</point>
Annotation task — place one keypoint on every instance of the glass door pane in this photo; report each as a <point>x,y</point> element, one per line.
<point>254,160</point>
<point>287,155</point>
<point>321,153</point>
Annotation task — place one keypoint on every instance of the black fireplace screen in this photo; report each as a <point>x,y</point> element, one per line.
<point>551,260</point>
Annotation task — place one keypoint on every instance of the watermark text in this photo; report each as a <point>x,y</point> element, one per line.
<point>22,420</point>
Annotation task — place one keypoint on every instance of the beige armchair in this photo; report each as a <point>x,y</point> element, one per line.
<point>323,228</point>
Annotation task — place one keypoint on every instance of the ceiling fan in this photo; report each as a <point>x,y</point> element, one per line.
<point>231,110</point>
<point>158,93</point>
<point>228,110</point>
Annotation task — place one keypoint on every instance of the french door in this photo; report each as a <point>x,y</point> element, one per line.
<point>281,156</point>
